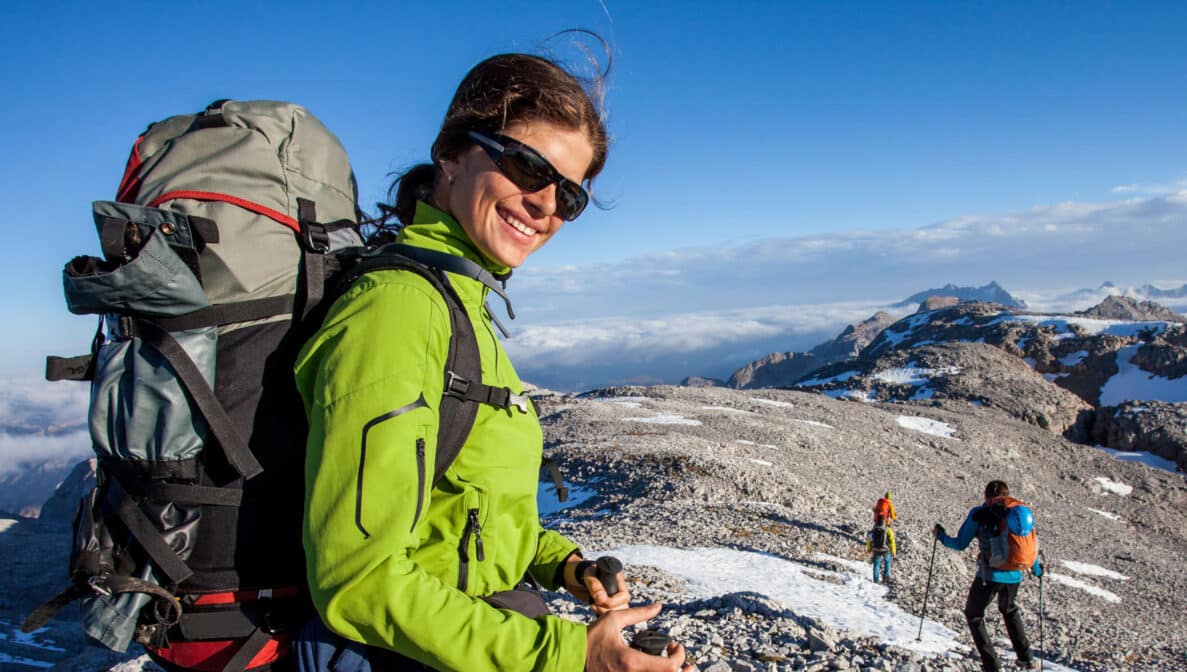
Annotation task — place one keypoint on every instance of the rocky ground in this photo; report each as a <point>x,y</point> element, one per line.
<point>790,477</point>
<point>795,479</point>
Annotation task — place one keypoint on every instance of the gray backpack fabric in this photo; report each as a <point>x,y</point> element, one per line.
<point>216,254</point>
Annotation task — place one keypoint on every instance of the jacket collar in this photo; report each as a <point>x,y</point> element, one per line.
<point>437,230</point>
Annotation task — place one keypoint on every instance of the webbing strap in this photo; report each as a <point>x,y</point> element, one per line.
<point>562,493</point>
<point>500,397</point>
<point>233,446</point>
<point>315,242</point>
<point>146,534</point>
<point>190,494</point>
<point>229,313</point>
<point>69,368</point>
<point>101,586</point>
<point>454,264</point>
<point>248,650</point>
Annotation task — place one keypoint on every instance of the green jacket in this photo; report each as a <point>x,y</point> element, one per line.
<point>379,573</point>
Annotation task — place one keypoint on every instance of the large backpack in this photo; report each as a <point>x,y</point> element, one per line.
<point>878,539</point>
<point>1010,540</point>
<point>231,230</point>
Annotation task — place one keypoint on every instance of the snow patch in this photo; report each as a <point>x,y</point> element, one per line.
<point>913,375</point>
<point>1115,487</point>
<point>1092,570</point>
<point>665,419</point>
<point>839,378</point>
<point>1142,457</point>
<point>772,402</point>
<point>1084,586</point>
<point>6,523</point>
<point>927,426</point>
<point>857,565</point>
<point>1107,514</point>
<point>1131,382</point>
<point>855,604</point>
<point>727,409</point>
<point>761,462</point>
<point>1074,358</point>
<point>548,503</point>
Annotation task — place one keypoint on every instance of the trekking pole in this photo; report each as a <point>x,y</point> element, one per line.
<point>1042,651</point>
<point>927,589</point>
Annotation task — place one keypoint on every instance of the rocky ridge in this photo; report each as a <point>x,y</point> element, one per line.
<point>1061,372</point>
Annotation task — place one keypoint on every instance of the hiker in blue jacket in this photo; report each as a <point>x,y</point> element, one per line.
<point>990,583</point>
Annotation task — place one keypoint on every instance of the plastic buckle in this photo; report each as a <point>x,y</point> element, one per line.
<point>455,385</point>
<point>519,401</point>
<point>315,237</point>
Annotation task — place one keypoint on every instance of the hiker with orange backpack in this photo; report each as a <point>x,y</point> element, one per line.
<point>884,510</point>
<point>1004,529</point>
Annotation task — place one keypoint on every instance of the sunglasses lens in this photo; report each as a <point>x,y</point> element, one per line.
<point>571,200</point>
<point>526,169</point>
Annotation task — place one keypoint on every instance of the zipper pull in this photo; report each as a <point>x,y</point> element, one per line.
<point>477,527</point>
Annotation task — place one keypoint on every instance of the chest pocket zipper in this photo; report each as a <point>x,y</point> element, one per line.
<point>473,529</point>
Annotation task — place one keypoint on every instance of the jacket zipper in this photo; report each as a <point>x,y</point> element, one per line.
<point>420,481</point>
<point>473,527</point>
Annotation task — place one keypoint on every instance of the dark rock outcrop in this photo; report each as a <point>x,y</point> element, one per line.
<point>1125,308</point>
<point>1156,427</point>
<point>780,369</point>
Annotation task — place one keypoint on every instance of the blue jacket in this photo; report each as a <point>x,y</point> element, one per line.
<point>964,537</point>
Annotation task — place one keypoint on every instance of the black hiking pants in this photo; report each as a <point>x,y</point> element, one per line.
<point>980,594</point>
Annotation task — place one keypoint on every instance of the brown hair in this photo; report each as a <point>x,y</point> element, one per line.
<point>500,91</point>
<point>996,489</point>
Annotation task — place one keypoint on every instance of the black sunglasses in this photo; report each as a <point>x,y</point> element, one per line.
<point>528,170</point>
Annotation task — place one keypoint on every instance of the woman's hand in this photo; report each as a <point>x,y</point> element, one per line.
<point>588,588</point>
<point>606,652</point>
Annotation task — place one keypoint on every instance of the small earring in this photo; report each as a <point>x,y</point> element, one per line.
<point>449,178</point>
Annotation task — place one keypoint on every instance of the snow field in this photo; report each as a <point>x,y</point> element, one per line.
<point>1107,514</point>
<point>1115,487</point>
<point>847,602</point>
<point>1092,570</point>
<point>1082,585</point>
<point>927,426</point>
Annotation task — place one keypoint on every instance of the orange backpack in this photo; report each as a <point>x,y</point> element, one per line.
<point>1013,543</point>
<point>881,509</point>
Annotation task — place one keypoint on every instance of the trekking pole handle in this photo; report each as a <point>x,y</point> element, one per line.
<point>608,568</point>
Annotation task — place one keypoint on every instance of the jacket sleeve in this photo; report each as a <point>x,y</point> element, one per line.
<point>551,550</point>
<point>890,537</point>
<point>893,515</point>
<point>964,537</point>
<point>371,380</point>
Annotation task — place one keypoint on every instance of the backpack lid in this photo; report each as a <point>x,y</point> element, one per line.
<point>1020,520</point>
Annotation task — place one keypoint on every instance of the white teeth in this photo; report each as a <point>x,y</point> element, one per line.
<point>520,226</point>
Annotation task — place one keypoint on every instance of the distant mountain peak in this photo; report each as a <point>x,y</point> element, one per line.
<point>990,293</point>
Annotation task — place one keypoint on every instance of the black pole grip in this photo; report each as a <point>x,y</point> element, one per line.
<point>651,642</point>
<point>608,568</point>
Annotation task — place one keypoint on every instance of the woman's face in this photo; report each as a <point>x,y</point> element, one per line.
<point>504,221</point>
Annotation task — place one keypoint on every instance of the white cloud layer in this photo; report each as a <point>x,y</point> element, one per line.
<point>42,422</point>
<point>706,311</point>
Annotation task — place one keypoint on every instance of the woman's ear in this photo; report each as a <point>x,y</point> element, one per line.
<point>449,169</point>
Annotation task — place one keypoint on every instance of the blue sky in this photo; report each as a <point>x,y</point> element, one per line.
<point>746,127</point>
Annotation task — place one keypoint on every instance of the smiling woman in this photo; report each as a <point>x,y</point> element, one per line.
<point>422,519</point>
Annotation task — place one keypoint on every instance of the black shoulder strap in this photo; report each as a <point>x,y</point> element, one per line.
<point>463,386</point>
